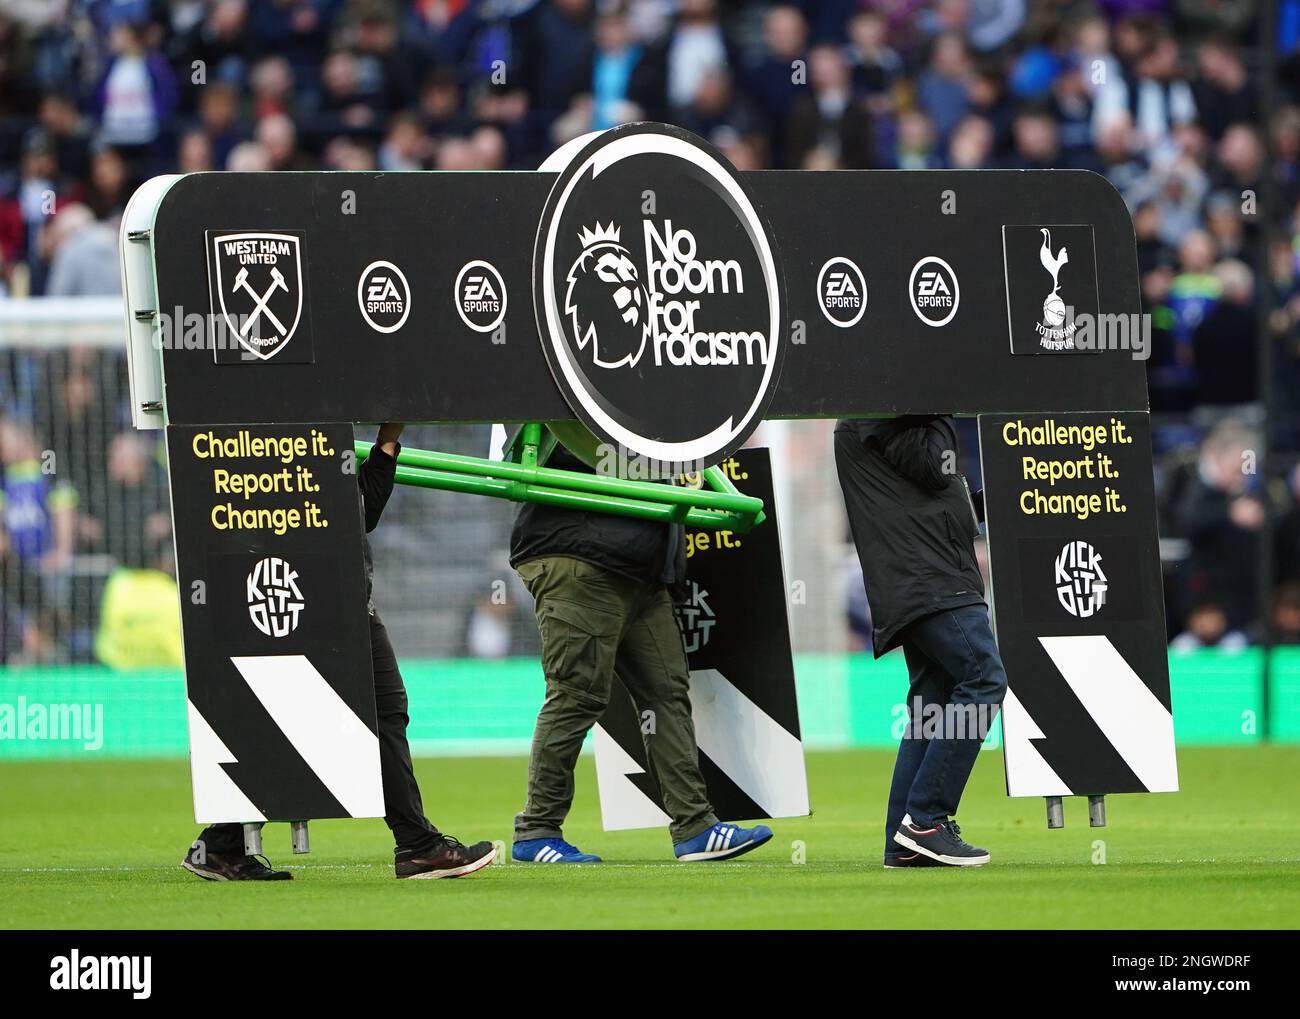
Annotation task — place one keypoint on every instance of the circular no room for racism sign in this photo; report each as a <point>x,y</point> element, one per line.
<point>658,298</point>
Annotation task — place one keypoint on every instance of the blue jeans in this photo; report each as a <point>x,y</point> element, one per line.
<point>957,683</point>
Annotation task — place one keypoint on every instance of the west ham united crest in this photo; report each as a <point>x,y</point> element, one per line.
<point>256,285</point>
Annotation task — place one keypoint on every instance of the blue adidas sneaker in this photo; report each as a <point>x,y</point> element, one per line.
<point>550,851</point>
<point>721,842</point>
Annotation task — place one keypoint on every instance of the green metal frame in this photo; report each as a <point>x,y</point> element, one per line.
<point>719,506</point>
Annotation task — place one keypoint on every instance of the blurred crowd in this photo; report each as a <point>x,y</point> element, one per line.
<point>1167,98</point>
<point>85,533</point>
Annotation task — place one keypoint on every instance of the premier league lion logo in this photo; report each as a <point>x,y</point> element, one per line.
<point>605,301</point>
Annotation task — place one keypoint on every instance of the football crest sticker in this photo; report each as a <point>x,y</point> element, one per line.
<point>1051,276</point>
<point>255,282</point>
<point>1056,332</point>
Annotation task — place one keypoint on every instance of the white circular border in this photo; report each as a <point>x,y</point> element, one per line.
<point>862,281</point>
<point>501,284</point>
<point>956,291</point>
<point>362,304</point>
<point>692,450</point>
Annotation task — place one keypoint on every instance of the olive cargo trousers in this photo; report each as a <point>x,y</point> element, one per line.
<point>596,623</point>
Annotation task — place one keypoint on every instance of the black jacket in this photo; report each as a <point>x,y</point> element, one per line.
<point>912,519</point>
<point>375,480</point>
<point>652,553</point>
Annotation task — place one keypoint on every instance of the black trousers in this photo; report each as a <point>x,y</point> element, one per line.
<point>403,809</point>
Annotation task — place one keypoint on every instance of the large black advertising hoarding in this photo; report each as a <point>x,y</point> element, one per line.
<point>371,296</point>
<point>1078,603</point>
<point>273,608</point>
<point>668,302</point>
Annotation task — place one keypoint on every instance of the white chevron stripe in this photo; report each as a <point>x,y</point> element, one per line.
<point>1127,712</point>
<point>1028,774</point>
<point>622,804</point>
<point>335,743</point>
<point>216,796</point>
<point>750,747</point>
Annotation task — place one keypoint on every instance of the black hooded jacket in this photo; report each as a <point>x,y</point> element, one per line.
<point>912,519</point>
<point>650,552</point>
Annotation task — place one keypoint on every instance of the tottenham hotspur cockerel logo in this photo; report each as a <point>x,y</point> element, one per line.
<point>606,300</point>
<point>1051,279</point>
<point>1055,331</point>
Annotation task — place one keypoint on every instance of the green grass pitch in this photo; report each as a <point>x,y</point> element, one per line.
<point>97,844</point>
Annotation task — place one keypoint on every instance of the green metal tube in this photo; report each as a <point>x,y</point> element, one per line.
<point>636,508</point>
<point>714,510</point>
<point>717,478</point>
<point>729,500</point>
<point>467,484</point>
<point>659,512</point>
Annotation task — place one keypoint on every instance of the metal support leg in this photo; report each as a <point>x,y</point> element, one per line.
<point>1097,811</point>
<point>298,833</point>
<point>1055,812</point>
<point>253,838</point>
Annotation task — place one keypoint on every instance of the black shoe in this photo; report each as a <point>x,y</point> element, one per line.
<point>940,841</point>
<point>901,861</point>
<point>231,867</point>
<point>444,858</point>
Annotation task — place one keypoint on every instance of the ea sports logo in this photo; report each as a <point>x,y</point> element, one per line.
<point>384,297</point>
<point>274,599</point>
<point>841,292</point>
<point>1080,583</point>
<point>480,296</point>
<point>934,291</point>
<point>658,298</point>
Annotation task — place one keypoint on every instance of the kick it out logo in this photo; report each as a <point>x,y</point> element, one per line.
<point>658,297</point>
<point>1080,583</point>
<point>696,618</point>
<point>275,601</point>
